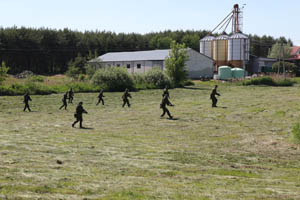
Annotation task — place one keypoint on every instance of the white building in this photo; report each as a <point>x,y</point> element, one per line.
<point>198,65</point>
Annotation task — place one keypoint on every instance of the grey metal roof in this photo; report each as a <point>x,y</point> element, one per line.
<point>133,56</point>
<point>239,36</point>
<point>208,38</point>
<point>222,37</point>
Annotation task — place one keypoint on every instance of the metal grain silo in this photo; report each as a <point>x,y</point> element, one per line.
<point>220,48</point>
<point>206,46</point>
<point>238,49</point>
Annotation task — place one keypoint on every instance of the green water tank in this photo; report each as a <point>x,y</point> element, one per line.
<point>238,73</point>
<point>225,72</point>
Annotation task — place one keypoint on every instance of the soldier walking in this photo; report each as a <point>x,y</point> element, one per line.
<point>26,100</point>
<point>125,97</point>
<point>71,95</point>
<point>78,114</point>
<point>64,100</point>
<point>166,92</point>
<point>165,101</point>
<point>100,97</point>
<point>213,96</point>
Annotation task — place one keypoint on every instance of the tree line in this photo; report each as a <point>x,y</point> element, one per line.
<point>48,51</point>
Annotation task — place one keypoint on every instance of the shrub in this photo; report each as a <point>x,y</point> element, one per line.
<point>36,88</point>
<point>188,83</point>
<point>37,78</point>
<point>90,70</point>
<point>113,79</point>
<point>83,87</point>
<point>266,80</point>
<point>296,133</point>
<point>73,72</point>
<point>139,81</point>
<point>3,71</point>
<point>285,82</point>
<point>289,67</point>
<point>157,78</point>
<point>4,90</point>
<point>81,77</point>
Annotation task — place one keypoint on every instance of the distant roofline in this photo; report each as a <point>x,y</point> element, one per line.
<point>98,59</point>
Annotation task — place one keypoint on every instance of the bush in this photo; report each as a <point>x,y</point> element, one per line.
<point>81,77</point>
<point>3,71</point>
<point>139,81</point>
<point>73,72</point>
<point>296,133</point>
<point>36,88</point>
<point>37,78</point>
<point>83,87</point>
<point>188,83</point>
<point>266,80</point>
<point>90,70</point>
<point>289,67</point>
<point>113,79</point>
<point>157,78</point>
<point>285,82</point>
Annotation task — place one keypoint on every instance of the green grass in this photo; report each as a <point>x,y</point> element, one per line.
<point>240,150</point>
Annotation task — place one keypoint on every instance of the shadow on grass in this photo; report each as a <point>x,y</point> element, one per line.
<point>87,128</point>
<point>175,118</point>
<point>223,107</point>
<point>196,88</point>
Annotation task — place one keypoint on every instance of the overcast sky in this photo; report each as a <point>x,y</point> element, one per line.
<point>262,17</point>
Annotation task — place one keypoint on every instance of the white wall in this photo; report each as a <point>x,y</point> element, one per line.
<point>198,65</point>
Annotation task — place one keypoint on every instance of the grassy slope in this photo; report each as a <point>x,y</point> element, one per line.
<point>240,150</point>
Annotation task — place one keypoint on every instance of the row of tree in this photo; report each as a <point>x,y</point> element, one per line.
<point>48,51</point>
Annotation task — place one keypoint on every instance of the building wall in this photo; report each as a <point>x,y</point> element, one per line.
<point>199,65</point>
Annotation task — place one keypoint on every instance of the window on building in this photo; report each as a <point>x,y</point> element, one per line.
<point>138,66</point>
<point>128,66</point>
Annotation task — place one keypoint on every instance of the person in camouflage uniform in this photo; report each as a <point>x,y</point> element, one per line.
<point>100,97</point>
<point>166,92</point>
<point>78,114</point>
<point>71,95</point>
<point>165,101</point>
<point>125,97</point>
<point>26,100</point>
<point>213,96</point>
<point>64,100</point>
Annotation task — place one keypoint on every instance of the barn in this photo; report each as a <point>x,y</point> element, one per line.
<point>198,65</point>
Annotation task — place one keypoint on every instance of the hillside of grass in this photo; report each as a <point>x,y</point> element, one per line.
<point>240,150</point>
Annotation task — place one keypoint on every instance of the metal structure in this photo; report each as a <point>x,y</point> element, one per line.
<point>230,50</point>
<point>238,50</point>
<point>206,46</point>
<point>220,50</point>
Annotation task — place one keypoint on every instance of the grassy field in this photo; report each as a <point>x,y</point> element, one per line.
<point>240,150</point>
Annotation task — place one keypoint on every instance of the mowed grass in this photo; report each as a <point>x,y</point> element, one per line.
<point>240,150</point>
